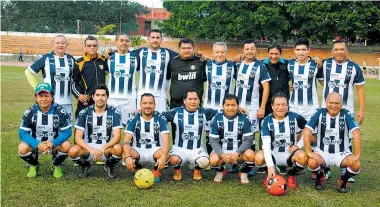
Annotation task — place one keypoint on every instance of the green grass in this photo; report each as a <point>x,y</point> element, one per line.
<point>97,190</point>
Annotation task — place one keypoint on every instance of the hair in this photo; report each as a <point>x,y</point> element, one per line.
<point>248,41</point>
<point>56,37</point>
<point>280,95</point>
<point>190,91</point>
<point>220,44</point>
<point>302,41</point>
<point>155,31</point>
<point>148,95</point>
<point>275,46</point>
<point>186,40</point>
<point>101,87</point>
<point>90,38</point>
<point>120,34</point>
<point>340,41</point>
<point>231,97</point>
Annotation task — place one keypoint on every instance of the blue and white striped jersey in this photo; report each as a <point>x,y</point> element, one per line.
<point>333,132</point>
<point>303,77</point>
<point>122,83</point>
<point>189,126</point>
<point>219,82</point>
<point>340,78</point>
<point>147,134</point>
<point>249,77</point>
<point>153,71</point>
<point>58,72</point>
<point>45,126</point>
<point>98,129</point>
<point>283,134</point>
<point>230,131</point>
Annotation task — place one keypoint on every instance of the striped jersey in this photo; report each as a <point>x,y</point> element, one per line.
<point>249,77</point>
<point>189,126</point>
<point>98,129</point>
<point>283,134</point>
<point>45,126</point>
<point>219,82</point>
<point>153,71</point>
<point>58,72</point>
<point>303,78</point>
<point>340,78</point>
<point>147,134</point>
<point>230,131</point>
<point>333,132</point>
<point>121,83</point>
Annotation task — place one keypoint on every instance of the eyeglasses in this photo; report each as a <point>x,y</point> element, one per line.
<point>91,45</point>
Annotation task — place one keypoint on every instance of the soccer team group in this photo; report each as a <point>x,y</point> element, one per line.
<point>295,132</point>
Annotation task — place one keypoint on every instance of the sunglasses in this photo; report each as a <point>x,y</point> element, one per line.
<point>91,45</point>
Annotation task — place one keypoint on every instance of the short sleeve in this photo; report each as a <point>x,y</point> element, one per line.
<point>64,119</point>
<point>350,121</point>
<point>214,132</point>
<point>164,129</point>
<point>314,120</point>
<point>264,75</point>
<point>116,122</point>
<point>81,120</point>
<point>301,122</point>
<point>26,122</point>
<point>359,79</point>
<point>247,130</point>
<point>38,65</point>
<point>265,132</point>
<point>130,129</point>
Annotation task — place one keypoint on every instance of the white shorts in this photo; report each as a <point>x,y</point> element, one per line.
<point>96,146</point>
<point>161,104</point>
<point>188,156</point>
<point>335,159</point>
<point>146,155</point>
<point>254,121</point>
<point>305,112</point>
<point>126,108</point>
<point>280,158</point>
<point>69,110</point>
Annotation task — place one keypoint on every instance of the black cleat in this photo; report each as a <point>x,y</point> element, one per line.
<point>342,187</point>
<point>110,170</point>
<point>85,168</point>
<point>320,183</point>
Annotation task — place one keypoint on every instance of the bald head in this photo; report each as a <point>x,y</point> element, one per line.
<point>334,103</point>
<point>334,96</point>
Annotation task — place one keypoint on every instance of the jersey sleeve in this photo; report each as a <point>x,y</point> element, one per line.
<point>247,129</point>
<point>169,115</point>
<point>214,132</point>
<point>314,120</point>
<point>172,53</point>
<point>130,129</point>
<point>359,78</point>
<point>320,75</point>
<point>350,121</point>
<point>164,129</point>
<point>38,65</point>
<point>301,122</point>
<point>64,119</point>
<point>265,132</point>
<point>116,122</point>
<point>26,122</point>
<point>235,70</point>
<point>264,75</point>
<point>81,120</point>
<point>210,113</point>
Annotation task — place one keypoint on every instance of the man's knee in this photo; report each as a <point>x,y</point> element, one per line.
<point>74,151</point>
<point>174,160</point>
<point>214,159</point>
<point>301,157</point>
<point>249,155</point>
<point>259,158</point>
<point>202,162</point>
<point>117,150</point>
<point>24,148</point>
<point>65,146</point>
<point>312,163</point>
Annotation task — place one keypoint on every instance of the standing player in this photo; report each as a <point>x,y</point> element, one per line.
<point>333,147</point>
<point>123,67</point>
<point>57,70</point>
<point>150,134</point>
<point>220,75</point>
<point>231,139</point>
<point>190,121</point>
<point>97,134</point>
<point>45,128</point>
<point>153,64</point>
<point>280,132</point>
<point>340,75</point>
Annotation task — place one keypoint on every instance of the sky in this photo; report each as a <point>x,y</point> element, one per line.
<point>150,3</point>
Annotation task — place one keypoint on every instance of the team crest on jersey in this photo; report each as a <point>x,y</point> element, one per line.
<point>117,74</point>
<point>252,74</point>
<point>332,84</point>
<point>143,141</point>
<point>148,69</point>
<point>276,144</point>
<point>26,112</point>
<point>311,73</point>
<point>192,67</point>
<point>341,125</point>
<point>228,72</point>
<point>55,122</point>
<point>292,128</point>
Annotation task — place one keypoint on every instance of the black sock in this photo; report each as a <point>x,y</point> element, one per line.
<point>208,145</point>
<point>320,173</point>
<point>327,169</point>
<point>347,175</point>
<point>197,168</point>
<point>247,166</point>
<point>113,160</point>
<point>295,169</point>
<point>59,157</point>
<point>177,166</point>
<point>31,158</point>
<point>155,167</point>
<point>81,161</point>
<point>221,168</point>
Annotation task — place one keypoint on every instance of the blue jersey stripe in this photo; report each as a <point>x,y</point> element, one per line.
<point>112,70</point>
<point>191,134</point>
<point>300,93</point>
<point>52,73</point>
<point>143,68</point>
<point>332,146</point>
<point>162,69</point>
<point>62,83</point>
<point>251,82</point>
<point>219,72</point>
<point>323,130</point>
<point>281,127</point>
<point>347,80</point>
<point>131,72</point>
<point>209,79</point>
<point>327,77</point>
<point>181,130</point>
<point>230,69</point>
<point>311,83</point>
<point>230,145</point>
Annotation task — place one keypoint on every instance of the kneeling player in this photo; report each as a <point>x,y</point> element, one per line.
<point>188,123</point>
<point>231,139</point>
<point>279,134</point>
<point>45,128</point>
<point>150,138</point>
<point>97,134</point>
<point>333,147</point>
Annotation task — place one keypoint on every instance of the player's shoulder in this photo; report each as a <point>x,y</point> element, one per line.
<point>268,118</point>
<point>84,112</point>
<point>31,110</point>
<point>58,109</point>
<point>346,112</point>
<point>112,109</point>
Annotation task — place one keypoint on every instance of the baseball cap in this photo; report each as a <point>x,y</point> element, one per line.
<point>43,87</point>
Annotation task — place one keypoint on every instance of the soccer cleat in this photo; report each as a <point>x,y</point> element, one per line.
<point>234,169</point>
<point>157,175</point>
<point>243,178</point>
<point>342,188</point>
<point>292,182</point>
<point>110,170</point>
<point>314,175</point>
<point>33,171</point>
<point>282,170</point>
<point>320,183</point>
<point>220,175</point>
<point>328,175</point>
<point>57,172</point>
<point>85,168</point>
<point>177,176</point>
<point>351,180</point>
<point>197,175</point>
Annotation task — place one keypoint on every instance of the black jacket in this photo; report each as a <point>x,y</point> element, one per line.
<point>185,75</point>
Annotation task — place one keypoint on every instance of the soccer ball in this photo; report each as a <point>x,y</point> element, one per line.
<point>275,185</point>
<point>144,178</point>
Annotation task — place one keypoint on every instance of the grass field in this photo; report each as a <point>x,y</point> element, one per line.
<point>97,190</point>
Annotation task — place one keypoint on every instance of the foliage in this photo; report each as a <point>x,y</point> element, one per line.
<point>104,30</point>
<point>136,41</point>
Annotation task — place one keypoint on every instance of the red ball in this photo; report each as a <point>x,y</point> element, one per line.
<point>275,185</point>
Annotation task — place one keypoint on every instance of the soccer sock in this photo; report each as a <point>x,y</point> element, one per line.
<point>113,160</point>
<point>320,173</point>
<point>327,169</point>
<point>263,168</point>
<point>80,161</point>
<point>58,158</point>
<point>197,168</point>
<point>177,166</point>
<point>348,174</point>
<point>208,145</point>
<point>219,168</point>
<point>31,158</point>
<point>155,167</point>
<point>247,167</point>
<point>295,169</point>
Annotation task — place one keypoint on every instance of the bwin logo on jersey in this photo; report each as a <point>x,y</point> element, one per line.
<point>229,72</point>
<point>143,141</point>
<point>189,76</point>
<point>94,137</point>
<point>276,144</point>
<point>148,69</point>
<point>328,141</point>
<point>225,141</point>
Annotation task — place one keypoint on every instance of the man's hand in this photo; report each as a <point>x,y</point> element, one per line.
<point>318,60</point>
<point>239,58</point>
<point>260,113</point>
<point>99,154</point>
<point>360,116</point>
<point>43,147</point>
<point>271,172</point>
<point>225,157</point>
<point>161,162</point>
<point>244,111</point>
<point>83,98</point>
<point>130,164</point>
<point>234,157</point>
